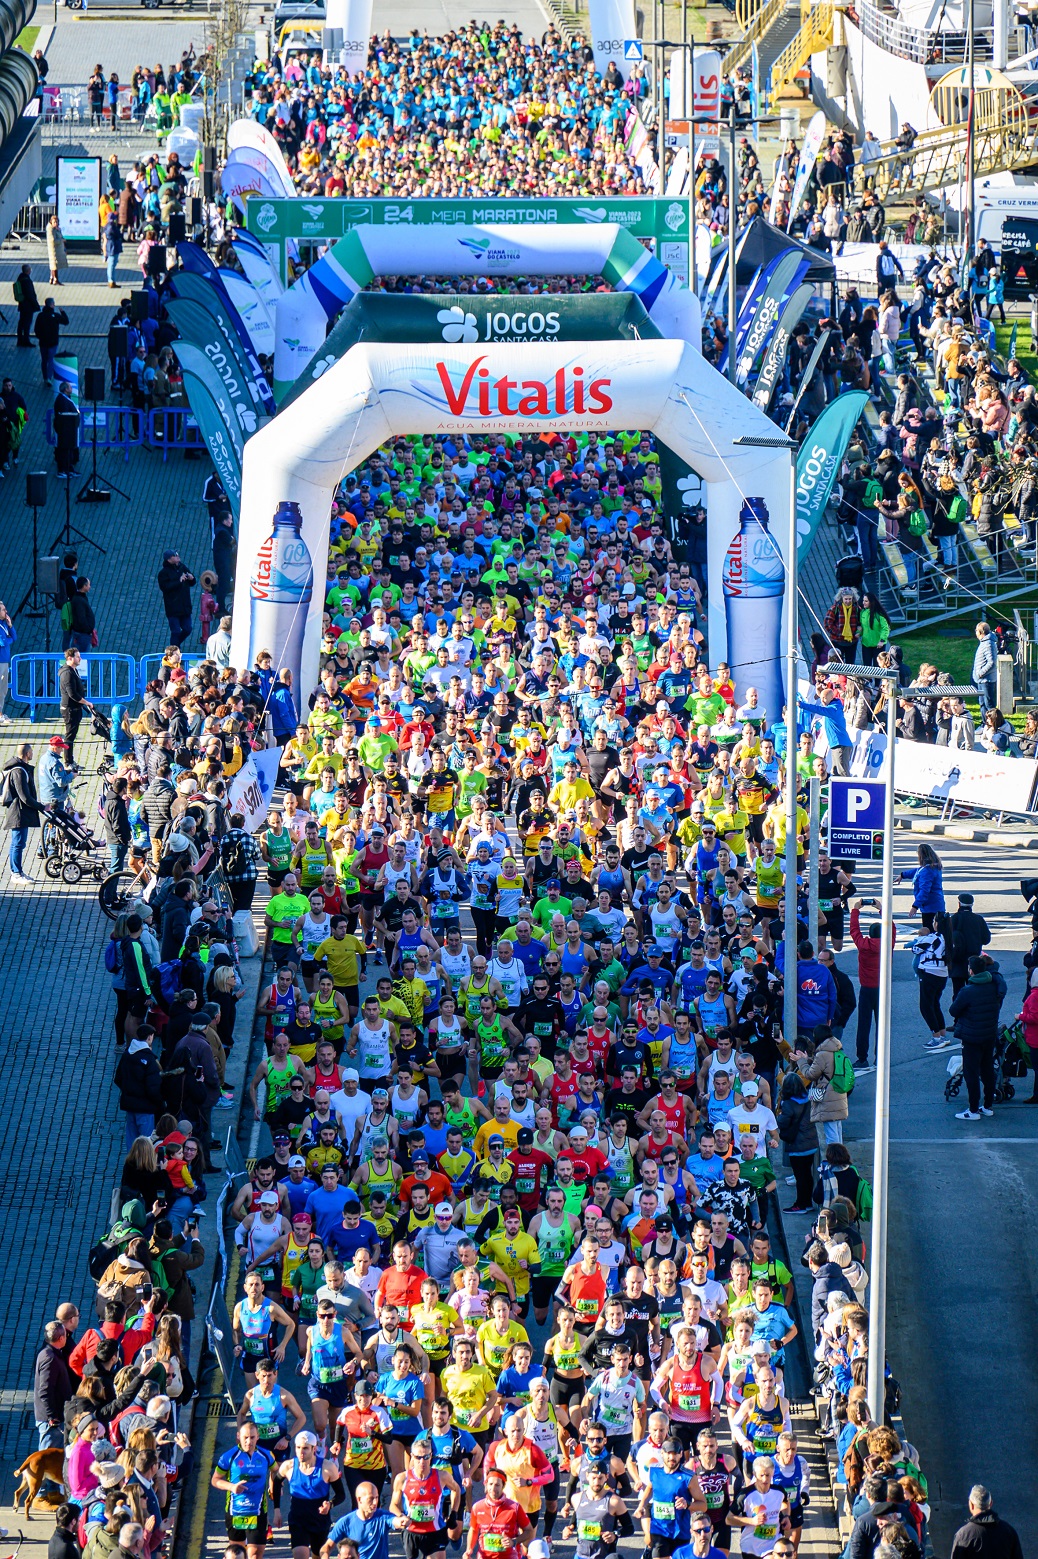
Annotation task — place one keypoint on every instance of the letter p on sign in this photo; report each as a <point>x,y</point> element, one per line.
<point>857,801</point>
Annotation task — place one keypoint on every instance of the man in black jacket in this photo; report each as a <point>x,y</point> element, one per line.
<point>73,693</point>
<point>53,1386</point>
<point>47,331</point>
<point>985,1535</point>
<point>21,810</point>
<point>846,1000</point>
<point>970,934</point>
<point>83,619</point>
<point>175,582</point>
<point>178,1257</point>
<point>138,1078</point>
<point>975,1010</point>
<point>136,968</point>
<point>117,823</point>
<point>28,303</point>
<point>197,1088</point>
<point>176,917</point>
<point>225,549</point>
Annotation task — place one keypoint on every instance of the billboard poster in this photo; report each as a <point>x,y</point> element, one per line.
<point>78,199</point>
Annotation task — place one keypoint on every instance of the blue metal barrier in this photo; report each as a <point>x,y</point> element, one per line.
<point>110,679</point>
<point>118,427</point>
<point>173,427</point>
<point>149,667</point>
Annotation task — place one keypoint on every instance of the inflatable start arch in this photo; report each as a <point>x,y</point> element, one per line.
<point>376,392</point>
<point>542,249</point>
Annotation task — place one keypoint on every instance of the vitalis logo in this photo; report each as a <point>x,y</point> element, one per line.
<point>567,391</point>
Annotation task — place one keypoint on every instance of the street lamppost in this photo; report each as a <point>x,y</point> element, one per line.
<point>876,1381</point>
<point>789,930</point>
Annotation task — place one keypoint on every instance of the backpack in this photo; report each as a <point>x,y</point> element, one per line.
<point>112,956</point>
<point>100,1257</point>
<point>158,1272</point>
<point>863,1200</point>
<point>843,1073</point>
<point>917,523</point>
<point>66,615</point>
<point>169,975</point>
<point>235,860</point>
<point>872,494</point>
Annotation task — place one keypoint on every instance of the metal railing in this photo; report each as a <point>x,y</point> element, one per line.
<point>110,679</point>
<point>816,32</point>
<point>148,667</point>
<point>759,22</point>
<point>118,427</point>
<point>924,45</point>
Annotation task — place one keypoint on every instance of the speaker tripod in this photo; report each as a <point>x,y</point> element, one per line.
<point>34,602</point>
<point>92,490</point>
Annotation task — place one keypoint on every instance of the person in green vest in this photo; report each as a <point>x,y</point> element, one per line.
<point>163,116</point>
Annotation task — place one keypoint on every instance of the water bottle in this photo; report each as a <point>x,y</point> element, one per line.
<point>280,588</point>
<point>753,580</point>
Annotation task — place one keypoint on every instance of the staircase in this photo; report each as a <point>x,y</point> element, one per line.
<point>814,32</point>
<point>771,27</point>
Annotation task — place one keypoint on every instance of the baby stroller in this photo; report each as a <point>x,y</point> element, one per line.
<point>101,725</point>
<point>1009,1062</point>
<point>66,844</point>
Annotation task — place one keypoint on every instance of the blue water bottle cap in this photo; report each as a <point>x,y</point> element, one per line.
<point>288,510</point>
<point>754,509</point>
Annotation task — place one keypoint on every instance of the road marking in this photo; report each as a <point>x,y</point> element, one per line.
<point>940,1142</point>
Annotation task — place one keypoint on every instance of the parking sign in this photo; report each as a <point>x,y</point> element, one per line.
<point>856,810</point>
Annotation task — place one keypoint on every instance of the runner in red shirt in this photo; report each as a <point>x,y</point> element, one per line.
<point>584,1286</point>
<point>496,1524</point>
<point>586,1161</point>
<point>532,1170</point>
<point>400,1284</point>
<point>563,1090</point>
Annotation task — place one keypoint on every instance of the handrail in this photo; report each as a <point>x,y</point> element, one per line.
<point>815,33</point>
<point>923,45</point>
<point>761,21</point>
<point>936,157</point>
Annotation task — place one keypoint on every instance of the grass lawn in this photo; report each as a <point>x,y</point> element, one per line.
<point>953,652</point>
<point>1024,344</point>
<point>26,39</point>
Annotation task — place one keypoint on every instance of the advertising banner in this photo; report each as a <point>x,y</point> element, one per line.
<point>612,24</point>
<point>473,317</point>
<point>980,779</point>
<point>215,416</point>
<point>353,18</point>
<point>200,329</point>
<point>252,310</point>
<point>808,374</point>
<point>813,137</point>
<point>759,326</point>
<point>207,289</point>
<point>78,198</point>
<point>251,789</point>
<point>819,460</point>
<point>251,139</point>
<point>775,356</point>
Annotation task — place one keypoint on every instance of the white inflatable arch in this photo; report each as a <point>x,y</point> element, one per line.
<point>377,392</point>
<point>539,249</point>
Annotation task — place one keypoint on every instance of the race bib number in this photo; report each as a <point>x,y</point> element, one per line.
<point>329,1373</point>
<point>767,1530</point>
<point>463,1414</point>
<point>398,1410</point>
<point>589,1531</point>
<point>524,1185</point>
<point>663,1510</point>
<point>495,1543</point>
<point>765,1443</point>
<point>361,1445</point>
<point>714,1499</point>
<point>421,1513</point>
<point>587,1306</point>
<point>243,1518</point>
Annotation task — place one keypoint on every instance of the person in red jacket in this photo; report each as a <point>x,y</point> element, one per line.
<point>130,1340</point>
<point>868,944</point>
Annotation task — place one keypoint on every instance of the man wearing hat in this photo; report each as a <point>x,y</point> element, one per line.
<point>175,581</point>
<point>438,1245</point>
<point>969,935</point>
<point>55,775</point>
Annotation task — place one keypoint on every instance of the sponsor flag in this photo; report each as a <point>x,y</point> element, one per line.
<point>808,157</point>
<point>775,356</point>
<point>214,413</point>
<point>819,460</point>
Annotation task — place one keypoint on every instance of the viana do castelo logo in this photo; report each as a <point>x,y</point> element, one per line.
<point>457,325</point>
<point>266,218</point>
<point>675,216</point>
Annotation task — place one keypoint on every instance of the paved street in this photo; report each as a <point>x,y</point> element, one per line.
<point>63,1133</point>
<point>963,1270</point>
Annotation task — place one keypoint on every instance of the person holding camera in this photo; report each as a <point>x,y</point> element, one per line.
<point>171,1261</point>
<point>868,944</point>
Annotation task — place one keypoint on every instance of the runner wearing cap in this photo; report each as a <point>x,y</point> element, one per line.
<point>310,1482</point>
<point>362,1432</point>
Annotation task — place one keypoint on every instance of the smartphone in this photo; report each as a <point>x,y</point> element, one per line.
<point>146,1290</point>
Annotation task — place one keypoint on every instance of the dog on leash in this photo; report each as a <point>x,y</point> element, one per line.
<point>38,1466</point>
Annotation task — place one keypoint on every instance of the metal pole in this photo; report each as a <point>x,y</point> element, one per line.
<point>789,984</point>
<point>660,61</point>
<point>814,812</point>
<point>970,133</point>
<point>733,305</point>
<point>689,109</point>
<point>880,1177</point>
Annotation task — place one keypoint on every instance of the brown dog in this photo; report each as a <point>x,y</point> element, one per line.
<point>37,1466</point>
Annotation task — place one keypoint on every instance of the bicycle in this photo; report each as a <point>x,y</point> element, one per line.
<point>122,888</point>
